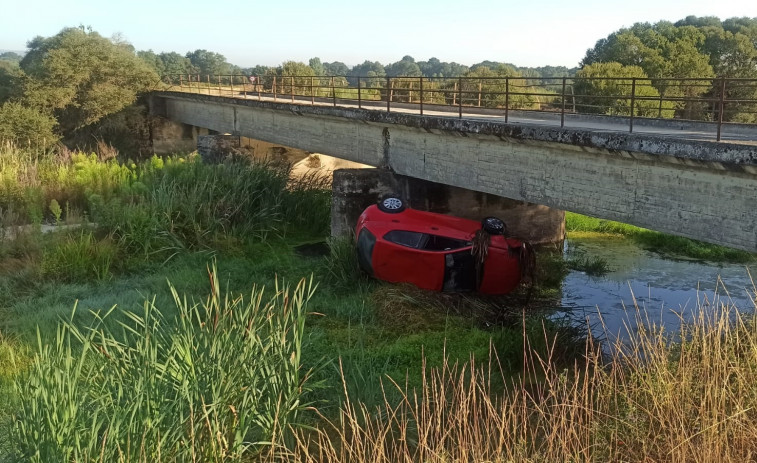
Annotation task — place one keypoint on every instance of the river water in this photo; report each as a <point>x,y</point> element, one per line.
<point>665,289</point>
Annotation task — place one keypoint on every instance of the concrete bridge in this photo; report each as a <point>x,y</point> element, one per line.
<point>664,178</point>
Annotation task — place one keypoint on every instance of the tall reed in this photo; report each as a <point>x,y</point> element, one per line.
<point>222,382</point>
<point>653,399</point>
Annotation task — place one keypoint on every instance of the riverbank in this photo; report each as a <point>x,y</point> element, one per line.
<point>175,351</point>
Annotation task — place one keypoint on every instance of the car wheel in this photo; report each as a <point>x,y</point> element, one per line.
<point>391,204</point>
<point>493,226</point>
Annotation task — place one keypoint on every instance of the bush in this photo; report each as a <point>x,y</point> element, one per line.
<point>27,127</point>
<point>80,257</point>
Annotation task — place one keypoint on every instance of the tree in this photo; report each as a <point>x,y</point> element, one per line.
<point>207,63</point>
<point>26,127</point>
<point>317,67</point>
<point>10,56</point>
<point>406,67</point>
<point>599,90</point>
<point>79,77</point>
<point>373,70</point>
<point>10,75</point>
<point>491,87</point>
<point>337,68</point>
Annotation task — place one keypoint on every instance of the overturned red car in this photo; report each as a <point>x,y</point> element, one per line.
<point>439,252</point>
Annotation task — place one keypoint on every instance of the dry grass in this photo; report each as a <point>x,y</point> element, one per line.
<point>650,399</point>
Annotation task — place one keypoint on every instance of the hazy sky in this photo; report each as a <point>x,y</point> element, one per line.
<point>526,33</point>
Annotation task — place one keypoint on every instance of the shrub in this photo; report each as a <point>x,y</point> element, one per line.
<point>80,257</point>
<point>26,127</point>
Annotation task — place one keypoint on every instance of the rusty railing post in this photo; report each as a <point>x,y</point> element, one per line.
<point>421,93</point>
<point>333,90</point>
<point>507,99</point>
<point>633,101</point>
<point>460,98</point>
<point>359,96</point>
<point>721,105</point>
<point>388,93</point>
<point>562,109</point>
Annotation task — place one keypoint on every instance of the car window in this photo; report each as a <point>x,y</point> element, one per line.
<point>406,238</point>
<point>424,241</point>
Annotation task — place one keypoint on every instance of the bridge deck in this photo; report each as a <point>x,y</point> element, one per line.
<point>671,128</point>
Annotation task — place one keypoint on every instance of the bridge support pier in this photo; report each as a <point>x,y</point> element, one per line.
<point>355,189</point>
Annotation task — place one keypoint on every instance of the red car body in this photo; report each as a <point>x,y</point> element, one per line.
<point>434,251</point>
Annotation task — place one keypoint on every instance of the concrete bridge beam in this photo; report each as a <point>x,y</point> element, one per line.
<point>701,190</point>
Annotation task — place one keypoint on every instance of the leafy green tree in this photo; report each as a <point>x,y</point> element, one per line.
<point>291,76</point>
<point>78,77</point>
<point>337,68</point>
<point>317,67</point>
<point>595,93</point>
<point>406,67</point>
<point>10,74</point>
<point>491,88</point>
<point>24,126</point>
<point>208,63</point>
<point>10,56</point>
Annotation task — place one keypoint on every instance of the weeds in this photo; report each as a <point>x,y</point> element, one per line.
<point>221,382</point>
<point>653,400</point>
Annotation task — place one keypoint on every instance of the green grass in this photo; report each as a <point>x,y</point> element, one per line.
<point>665,244</point>
<point>166,220</point>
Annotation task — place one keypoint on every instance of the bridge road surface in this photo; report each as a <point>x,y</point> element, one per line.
<point>706,132</point>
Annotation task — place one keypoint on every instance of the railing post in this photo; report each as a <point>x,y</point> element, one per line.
<point>721,105</point>
<point>659,108</point>
<point>333,90</point>
<point>454,94</point>
<point>460,98</point>
<point>479,93</point>
<point>421,91</point>
<point>507,98</point>
<point>258,85</point>
<point>562,110</point>
<point>633,101</point>
<point>359,97</point>
<point>312,95</point>
<point>181,81</point>
<point>274,88</point>
<point>291,88</point>
<point>388,93</point>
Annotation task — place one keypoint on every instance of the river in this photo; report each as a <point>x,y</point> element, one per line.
<point>665,289</point>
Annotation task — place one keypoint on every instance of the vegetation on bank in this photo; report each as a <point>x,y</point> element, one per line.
<point>167,218</point>
<point>673,246</point>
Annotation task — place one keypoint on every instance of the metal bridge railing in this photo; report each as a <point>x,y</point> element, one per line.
<point>721,101</point>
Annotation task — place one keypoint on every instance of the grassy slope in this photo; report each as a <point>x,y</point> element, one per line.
<point>578,225</point>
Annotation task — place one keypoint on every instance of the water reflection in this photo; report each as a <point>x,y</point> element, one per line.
<point>665,289</point>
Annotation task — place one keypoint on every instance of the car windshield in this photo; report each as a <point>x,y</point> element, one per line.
<point>424,241</point>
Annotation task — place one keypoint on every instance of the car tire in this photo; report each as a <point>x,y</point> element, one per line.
<point>391,204</point>
<point>494,226</point>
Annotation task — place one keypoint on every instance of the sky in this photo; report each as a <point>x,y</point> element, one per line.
<point>525,33</point>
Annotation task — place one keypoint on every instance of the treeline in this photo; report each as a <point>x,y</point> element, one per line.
<point>68,83</point>
<point>678,62</point>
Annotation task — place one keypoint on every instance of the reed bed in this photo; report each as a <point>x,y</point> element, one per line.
<point>689,396</point>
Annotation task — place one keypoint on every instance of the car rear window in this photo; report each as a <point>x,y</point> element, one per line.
<point>424,241</point>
